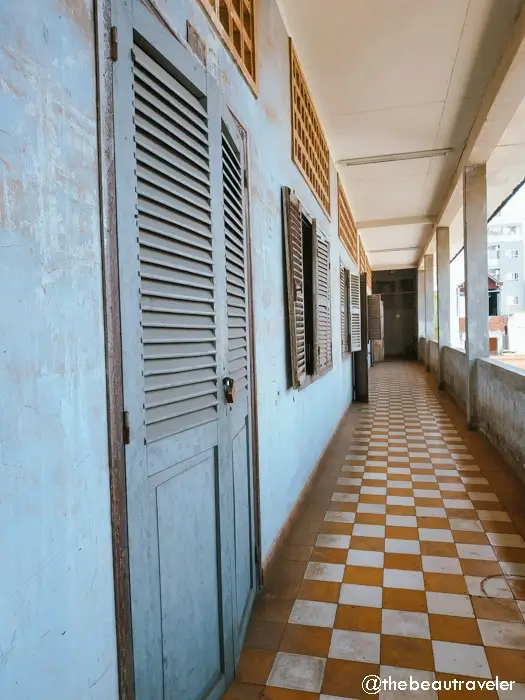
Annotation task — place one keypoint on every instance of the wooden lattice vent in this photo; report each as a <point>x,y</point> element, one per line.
<point>346,224</point>
<point>309,145</point>
<point>235,19</point>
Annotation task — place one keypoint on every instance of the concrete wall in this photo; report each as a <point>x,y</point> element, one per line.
<point>501,392</point>
<point>57,626</point>
<point>294,426</point>
<point>455,375</point>
<point>434,357</point>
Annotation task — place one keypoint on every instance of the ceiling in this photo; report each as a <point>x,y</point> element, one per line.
<point>395,76</point>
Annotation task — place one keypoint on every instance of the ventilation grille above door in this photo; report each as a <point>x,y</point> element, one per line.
<point>233,193</point>
<point>176,256</point>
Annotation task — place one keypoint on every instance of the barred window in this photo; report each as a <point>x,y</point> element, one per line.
<point>309,145</point>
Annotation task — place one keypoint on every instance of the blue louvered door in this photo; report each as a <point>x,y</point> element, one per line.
<point>238,370</point>
<point>183,297</point>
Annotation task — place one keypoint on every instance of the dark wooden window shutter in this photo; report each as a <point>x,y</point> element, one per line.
<point>293,238</point>
<point>323,311</point>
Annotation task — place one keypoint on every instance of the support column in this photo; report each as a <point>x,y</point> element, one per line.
<point>429,304</point>
<point>476,279</point>
<point>421,328</point>
<point>443,286</point>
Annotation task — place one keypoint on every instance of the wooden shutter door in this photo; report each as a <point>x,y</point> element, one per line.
<point>375,324</point>
<point>323,293</point>
<point>237,368</point>
<point>355,313</point>
<point>293,238</point>
<point>344,305</point>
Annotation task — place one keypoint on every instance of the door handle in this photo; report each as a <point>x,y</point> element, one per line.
<point>229,389</point>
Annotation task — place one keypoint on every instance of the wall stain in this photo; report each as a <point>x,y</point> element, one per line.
<point>78,13</point>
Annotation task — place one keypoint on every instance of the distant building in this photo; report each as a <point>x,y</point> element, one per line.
<point>506,261</point>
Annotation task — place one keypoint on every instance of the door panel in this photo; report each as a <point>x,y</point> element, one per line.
<point>183,296</point>
<point>191,605</point>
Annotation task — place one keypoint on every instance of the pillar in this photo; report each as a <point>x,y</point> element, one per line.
<point>476,279</point>
<point>421,328</point>
<point>429,304</point>
<point>443,286</point>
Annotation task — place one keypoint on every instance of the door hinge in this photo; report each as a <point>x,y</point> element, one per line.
<point>245,178</point>
<point>113,46</point>
<point>126,434</point>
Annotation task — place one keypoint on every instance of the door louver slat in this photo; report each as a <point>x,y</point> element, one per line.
<point>233,194</point>
<point>176,255</point>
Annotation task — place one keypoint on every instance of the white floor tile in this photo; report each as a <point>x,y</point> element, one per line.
<point>465,525</point>
<point>449,604</point>
<point>497,516</point>
<point>361,557</point>
<point>344,481</point>
<point>426,478</point>
<point>475,496</point>
<point>318,571</point>
<point>393,546</point>
<point>460,503</point>
<point>372,476</point>
<point>405,674</point>
<point>502,540</point>
<point>461,659</point>
<point>398,485</point>
<point>512,568</point>
<point>435,535</point>
<point>363,530</point>
<point>375,508</point>
<point>408,580</point>
<point>313,614</point>
<point>296,672</point>
<point>492,587</point>
<point>427,512</point>
<point>507,635</point>
<point>399,500</point>
<point>441,565</point>
<point>401,520</point>
<point>364,596</point>
<point>451,487</point>
<point>374,490</point>
<point>345,497</point>
<point>476,551</point>
<point>336,516</point>
<point>427,493</point>
<point>355,646</point>
<point>333,541</point>
<point>405,624</point>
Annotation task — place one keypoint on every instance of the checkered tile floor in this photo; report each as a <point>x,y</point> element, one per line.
<point>417,569</point>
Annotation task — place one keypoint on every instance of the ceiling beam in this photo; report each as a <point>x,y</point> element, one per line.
<point>503,96</point>
<point>401,221</point>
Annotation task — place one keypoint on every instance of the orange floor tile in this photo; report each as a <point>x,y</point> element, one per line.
<point>407,560</point>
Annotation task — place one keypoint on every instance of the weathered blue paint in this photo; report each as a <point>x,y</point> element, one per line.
<point>57,622</point>
<point>294,427</point>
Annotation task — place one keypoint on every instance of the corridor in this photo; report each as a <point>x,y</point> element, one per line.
<point>406,559</point>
